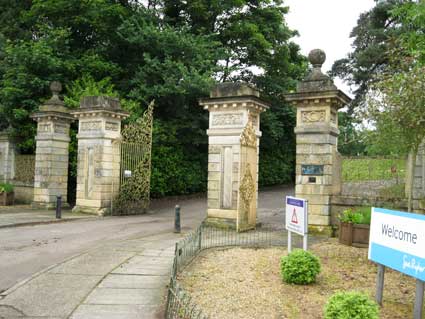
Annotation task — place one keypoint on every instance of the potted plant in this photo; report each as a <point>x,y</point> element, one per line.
<point>355,226</point>
<point>6,194</point>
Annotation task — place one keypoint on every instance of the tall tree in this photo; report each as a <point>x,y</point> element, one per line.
<point>372,37</point>
<point>397,103</point>
<point>257,49</point>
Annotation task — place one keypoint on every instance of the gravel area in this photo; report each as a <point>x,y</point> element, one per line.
<point>246,283</point>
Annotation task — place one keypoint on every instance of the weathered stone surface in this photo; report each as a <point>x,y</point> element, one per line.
<point>317,101</point>
<point>52,142</point>
<point>98,156</point>
<point>233,129</point>
<point>230,89</point>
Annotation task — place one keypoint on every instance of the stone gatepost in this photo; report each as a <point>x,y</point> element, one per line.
<point>98,153</point>
<point>318,163</point>
<point>7,157</point>
<point>51,154</point>
<point>233,139</point>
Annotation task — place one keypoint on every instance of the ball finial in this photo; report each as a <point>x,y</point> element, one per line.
<point>55,87</point>
<point>317,57</point>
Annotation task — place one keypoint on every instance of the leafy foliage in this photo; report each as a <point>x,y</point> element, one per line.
<point>358,215</point>
<point>351,305</point>
<point>169,51</point>
<point>372,38</point>
<point>6,188</point>
<point>300,267</point>
<point>88,86</point>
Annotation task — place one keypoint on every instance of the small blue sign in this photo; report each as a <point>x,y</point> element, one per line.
<point>294,202</point>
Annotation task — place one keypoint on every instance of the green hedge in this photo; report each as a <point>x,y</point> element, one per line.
<point>300,267</point>
<point>351,305</point>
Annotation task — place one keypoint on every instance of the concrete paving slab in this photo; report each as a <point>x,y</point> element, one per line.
<point>116,312</point>
<point>10,312</point>
<point>150,260</point>
<point>151,252</point>
<point>141,270</point>
<point>134,281</point>
<point>120,296</point>
<point>95,263</point>
<point>144,271</point>
<point>54,295</point>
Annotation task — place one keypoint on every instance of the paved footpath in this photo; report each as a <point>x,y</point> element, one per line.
<point>125,279</point>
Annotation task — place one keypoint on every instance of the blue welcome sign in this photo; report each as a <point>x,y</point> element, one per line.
<point>397,240</point>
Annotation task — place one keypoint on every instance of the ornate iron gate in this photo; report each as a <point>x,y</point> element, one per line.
<point>135,166</point>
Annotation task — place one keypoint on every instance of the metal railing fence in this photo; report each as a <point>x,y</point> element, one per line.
<point>179,303</point>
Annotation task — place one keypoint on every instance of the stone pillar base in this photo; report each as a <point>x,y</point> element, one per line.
<point>223,223</point>
<point>48,206</point>
<point>92,210</point>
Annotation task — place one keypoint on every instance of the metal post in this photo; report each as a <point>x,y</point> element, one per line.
<point>289,241</point>
<point>419,301</point>
<point>200,238</point>
<point>59,207</point>
<point>177,220</point>
<point>305,242</point>
<point>380,284</point>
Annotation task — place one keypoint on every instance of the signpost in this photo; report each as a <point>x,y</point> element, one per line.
<point>296,219</point>
<point>397,240</point>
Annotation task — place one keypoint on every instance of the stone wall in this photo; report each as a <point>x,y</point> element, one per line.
<point>339,203</point>
<point>418,194</point>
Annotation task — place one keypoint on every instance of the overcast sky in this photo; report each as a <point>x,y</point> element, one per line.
<point>326,25</point>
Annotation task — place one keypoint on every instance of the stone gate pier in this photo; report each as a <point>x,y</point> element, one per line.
<point>51,154</point>
<point>318,163</point>
<point>233,139</point>
<point>98,159</point>
<point>7,157</point>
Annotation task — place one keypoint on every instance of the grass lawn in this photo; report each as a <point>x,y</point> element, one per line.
<point>246,283</point>
<point>368,169</point>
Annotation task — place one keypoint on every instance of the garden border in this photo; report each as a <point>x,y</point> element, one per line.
<point>179,303</point>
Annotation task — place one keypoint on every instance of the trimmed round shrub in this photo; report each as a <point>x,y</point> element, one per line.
<point>300,267</point>
<point>351,305</point>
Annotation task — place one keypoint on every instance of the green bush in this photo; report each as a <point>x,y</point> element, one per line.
<point>300,267</point>
<point>359,215</point>
<point>351,305</point>
<point>5,187</point>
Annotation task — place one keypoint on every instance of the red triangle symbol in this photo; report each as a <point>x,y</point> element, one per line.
<point>294,217</point>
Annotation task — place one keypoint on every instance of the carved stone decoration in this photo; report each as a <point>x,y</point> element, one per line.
<point>91,126</point>
<point>227,119</point>
<point>333,117</point>
<point>248,136</point>
<point>253,119</point>
<point>214,149</point>
<point>111,126</point>
<point>60,128</point>
<point>247,187</point>
<point>313,116</point>
<point>44,128</point>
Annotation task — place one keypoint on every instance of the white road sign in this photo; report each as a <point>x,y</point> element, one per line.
<point>296,215</point>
